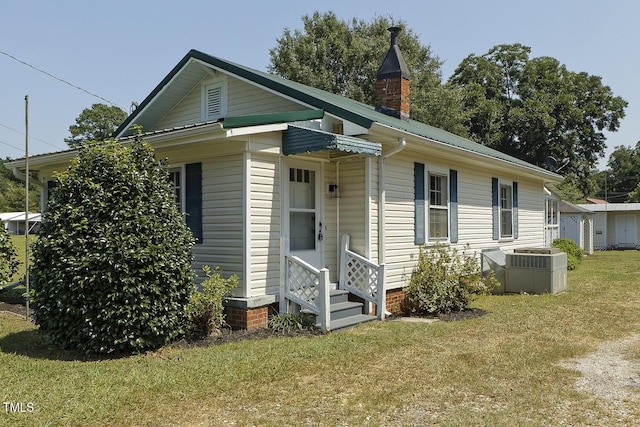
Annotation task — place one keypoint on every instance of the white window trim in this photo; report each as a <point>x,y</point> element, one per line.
<point>220,82</point>
<point>427,185</point>
<point>180,168</point>
<point>555,212</point>
<point>502,184</point>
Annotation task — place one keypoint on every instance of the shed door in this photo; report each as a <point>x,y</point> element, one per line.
<point>302,218</point>
<point>626,230</point>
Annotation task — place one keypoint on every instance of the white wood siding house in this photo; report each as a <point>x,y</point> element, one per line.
<point>273,173</point>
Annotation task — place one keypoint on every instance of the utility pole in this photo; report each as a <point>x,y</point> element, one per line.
<point>26,200</point>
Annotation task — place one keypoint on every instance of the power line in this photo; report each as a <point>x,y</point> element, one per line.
<point>31,137</point>
<point>9,145</point>
<point>58,78</point>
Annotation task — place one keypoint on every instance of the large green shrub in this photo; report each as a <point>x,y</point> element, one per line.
<point>112,265</point>
<point>574,253</point>
<point>445,280</point>
<point>205,311</point>
<point>8,258</point>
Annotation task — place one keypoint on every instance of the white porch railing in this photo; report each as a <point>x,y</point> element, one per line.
<point>362,277</point>
<point>306,285</point>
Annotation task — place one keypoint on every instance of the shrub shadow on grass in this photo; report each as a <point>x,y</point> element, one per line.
<point>34,344</point>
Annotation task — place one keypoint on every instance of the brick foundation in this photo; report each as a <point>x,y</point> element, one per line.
<point>395,300</point>
<point>247,318</point>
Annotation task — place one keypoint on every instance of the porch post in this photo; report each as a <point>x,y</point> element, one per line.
<point>284,276</point>
<point>381,300</point>
<point>324,303</point>
<point>343,261</point>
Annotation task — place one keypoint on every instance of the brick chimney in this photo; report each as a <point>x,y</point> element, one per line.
<point>392,84</point>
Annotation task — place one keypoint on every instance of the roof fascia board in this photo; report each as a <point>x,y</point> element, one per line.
<point>156,91</point>
<point>252,130</point>
<point>472,155</point>
<point>44,159</point>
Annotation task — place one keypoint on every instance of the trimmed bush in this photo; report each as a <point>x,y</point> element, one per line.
<point>445,280</point>
<point>205,311</point>
<point>112,265</point>
<point>8,258</point>
<point>574,253</point>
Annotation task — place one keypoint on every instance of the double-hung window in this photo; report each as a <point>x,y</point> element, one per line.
<point>435,201</point>
<point>506,211</point>
<point>438,207</point>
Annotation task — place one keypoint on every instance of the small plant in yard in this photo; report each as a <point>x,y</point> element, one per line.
<point>289,322</point>
<point>574,253</point>
<point>8,258</point>
<point>445,280</point>
<point>205,312</point>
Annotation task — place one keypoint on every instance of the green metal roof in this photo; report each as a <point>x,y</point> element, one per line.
<point>297,140</point>
<point>271,118</point>
<point>337,105</point>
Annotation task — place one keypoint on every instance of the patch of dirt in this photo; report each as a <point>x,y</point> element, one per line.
<point>445,317</point>
<point>612,379</point>
<point>607,373</point>
<point>462,315</point>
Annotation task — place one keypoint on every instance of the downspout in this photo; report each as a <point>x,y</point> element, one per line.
<point>382,198</point>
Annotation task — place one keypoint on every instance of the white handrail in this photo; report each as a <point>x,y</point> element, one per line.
<point>309,287</point>
<point>362,277</point>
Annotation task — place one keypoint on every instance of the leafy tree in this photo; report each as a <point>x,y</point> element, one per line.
<point>343,58</point>
<point>12,193</point>
<point>95,124</point>
<point>623,173</point>
<point>532,108</point>
<point>8,257</point>
<point>112,265</point>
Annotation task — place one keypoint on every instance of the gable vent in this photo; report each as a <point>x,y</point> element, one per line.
<point>214,102</point>
<point>214,99</point>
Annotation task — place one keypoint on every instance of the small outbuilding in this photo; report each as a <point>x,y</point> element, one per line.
<point>14,222</point>
<point>576,223</point>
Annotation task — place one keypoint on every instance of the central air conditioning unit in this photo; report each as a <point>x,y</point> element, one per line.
<point>536,271</point>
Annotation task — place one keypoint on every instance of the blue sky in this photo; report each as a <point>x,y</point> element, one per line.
<point>120,50</point>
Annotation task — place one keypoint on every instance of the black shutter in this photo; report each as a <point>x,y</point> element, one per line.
<point>419,198</point>
<point>453,205</point>
<point>193,199</point>
<point>514,210</point>
<point>495,208</point>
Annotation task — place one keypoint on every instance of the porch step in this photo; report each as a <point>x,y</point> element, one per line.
<point>345,313</point>
<point>351,321</point>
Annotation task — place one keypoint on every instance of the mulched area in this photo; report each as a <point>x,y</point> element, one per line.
<point>13,304</point>
<point>16,305</point>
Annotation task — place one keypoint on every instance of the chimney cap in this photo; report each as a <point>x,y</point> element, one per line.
<point>393,64</point>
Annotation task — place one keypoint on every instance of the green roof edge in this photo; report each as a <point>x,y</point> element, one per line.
<point>271,118</point>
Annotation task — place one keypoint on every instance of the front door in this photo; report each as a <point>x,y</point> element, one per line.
<point>302,216</point>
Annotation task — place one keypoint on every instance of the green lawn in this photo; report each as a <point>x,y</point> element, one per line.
<point>19,243</point>
<point>501,369</point>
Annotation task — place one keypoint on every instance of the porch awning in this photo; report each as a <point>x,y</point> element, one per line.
<point>297,140</point>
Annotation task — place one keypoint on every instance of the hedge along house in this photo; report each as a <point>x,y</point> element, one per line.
<point>298,191</point>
